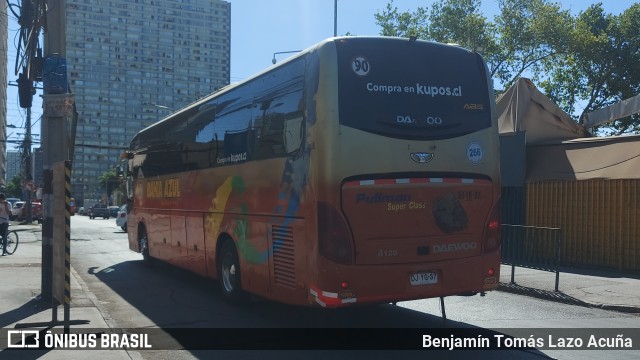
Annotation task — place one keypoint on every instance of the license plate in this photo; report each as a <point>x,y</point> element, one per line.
<point>423,278</point>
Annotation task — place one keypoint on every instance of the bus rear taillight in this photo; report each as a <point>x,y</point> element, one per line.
<point>334,239</point>
<point>492,230</point>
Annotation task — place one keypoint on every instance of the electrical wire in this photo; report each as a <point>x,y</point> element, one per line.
<point>10,7</point>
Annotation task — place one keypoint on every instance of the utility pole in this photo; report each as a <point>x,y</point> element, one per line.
<point>28,176</point>
<point>25,92</point>
<point>57,115</point>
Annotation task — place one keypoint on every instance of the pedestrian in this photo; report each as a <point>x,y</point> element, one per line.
<point>5,212</point>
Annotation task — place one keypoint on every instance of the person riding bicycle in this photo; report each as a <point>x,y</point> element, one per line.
<point>5,212</point>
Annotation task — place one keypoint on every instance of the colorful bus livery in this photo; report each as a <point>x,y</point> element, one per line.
<point>362,170</point>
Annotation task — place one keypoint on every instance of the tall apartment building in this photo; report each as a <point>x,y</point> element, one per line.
<point>13,165</point>
<point>129,64</point>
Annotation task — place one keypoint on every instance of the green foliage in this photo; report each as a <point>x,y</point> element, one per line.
<point>404,24</point>
<point>582,62</point>
<point>459,21</point>
<point>109,180</point>
<point>604,59</point>
<point>522,35</point>
<point>529,32</point>
<point>14,188</point>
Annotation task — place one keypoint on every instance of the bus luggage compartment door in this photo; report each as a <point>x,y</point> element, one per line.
<point>408,220</point>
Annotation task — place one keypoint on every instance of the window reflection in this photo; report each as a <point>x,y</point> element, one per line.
<point>261,119</point>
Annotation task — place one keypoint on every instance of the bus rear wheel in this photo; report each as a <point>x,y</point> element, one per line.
<point>143,245</point>
<point>229,272</point>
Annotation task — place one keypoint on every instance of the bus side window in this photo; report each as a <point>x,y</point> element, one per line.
<point>278,123</point>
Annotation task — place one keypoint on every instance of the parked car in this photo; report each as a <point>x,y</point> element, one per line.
<point>36,212</point>
<point>113,211</point>
<point>16,209</point>
<point>99,210</point>
<point>81,211</point>
<point>12,201</point>
<point>121,219</point>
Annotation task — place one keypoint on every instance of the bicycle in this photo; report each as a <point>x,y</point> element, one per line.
<point>12,242</point>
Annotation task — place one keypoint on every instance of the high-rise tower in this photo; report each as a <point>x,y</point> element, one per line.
<point>132,62</point>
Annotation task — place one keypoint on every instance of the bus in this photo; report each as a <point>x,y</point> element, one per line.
<point>361,170</point>
<point>72,206</point>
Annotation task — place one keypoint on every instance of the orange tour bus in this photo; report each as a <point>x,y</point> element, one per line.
<point>360,170</point>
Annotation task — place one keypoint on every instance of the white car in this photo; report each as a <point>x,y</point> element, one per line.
<point>121,219</point>
<point>16,210</point>
<point>13,201</point>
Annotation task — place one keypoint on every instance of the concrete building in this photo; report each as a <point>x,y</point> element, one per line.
<point>13,165</point>
<point>129,64</point>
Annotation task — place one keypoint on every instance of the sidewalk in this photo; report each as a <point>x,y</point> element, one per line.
<point>20,306</point>
<point>584,287</point>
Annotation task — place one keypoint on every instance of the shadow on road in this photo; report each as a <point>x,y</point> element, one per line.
<point>28,309</point>
<point>183,304</point>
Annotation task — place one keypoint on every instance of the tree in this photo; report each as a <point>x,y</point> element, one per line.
<point>109,180</point>
<point>601,65</point>
<point>588,61</point>
<point>460,22</point>
<point>524,33</point>
<point>528,35</point>
<point>14,187</point>
<point>404,24</point>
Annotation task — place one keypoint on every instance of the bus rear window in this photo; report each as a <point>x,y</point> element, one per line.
<point>411,90</point>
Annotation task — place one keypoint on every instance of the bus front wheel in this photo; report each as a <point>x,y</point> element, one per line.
<point>229,272</point>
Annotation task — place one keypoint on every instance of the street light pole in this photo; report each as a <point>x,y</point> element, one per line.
<point>273,60</point>
<point>28,177</point>
<point>335,18</point>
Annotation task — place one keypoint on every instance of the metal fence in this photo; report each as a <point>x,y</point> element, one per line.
<point>532,247</point>
<point>598,217</point>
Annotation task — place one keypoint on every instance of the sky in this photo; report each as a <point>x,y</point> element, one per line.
<point>260,28</point>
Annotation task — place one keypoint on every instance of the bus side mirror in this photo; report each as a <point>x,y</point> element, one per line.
<point>126,155</point>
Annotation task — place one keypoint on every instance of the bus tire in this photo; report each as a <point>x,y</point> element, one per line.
<point>143,245</point>
<point>229,272</point>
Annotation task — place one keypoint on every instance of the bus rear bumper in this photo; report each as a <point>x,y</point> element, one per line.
<point>392,283</point>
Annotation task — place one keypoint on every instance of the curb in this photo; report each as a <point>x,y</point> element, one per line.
<point>562,298</point>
